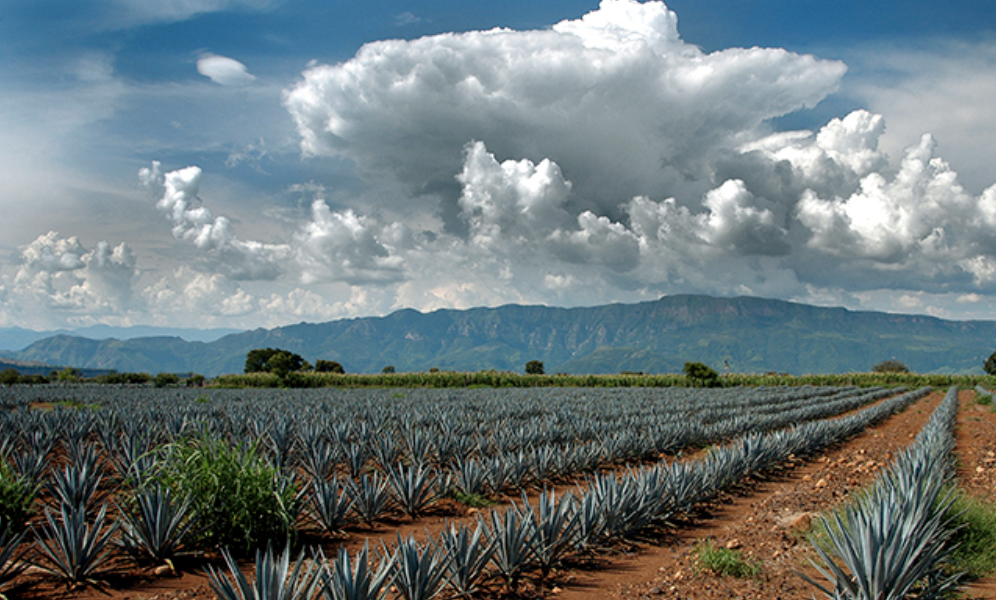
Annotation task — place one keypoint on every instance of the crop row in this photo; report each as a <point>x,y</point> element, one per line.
<point>159,474</point>
<point>507,545</point>
<point>893,542</point>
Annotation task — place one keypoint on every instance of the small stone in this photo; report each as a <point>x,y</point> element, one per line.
<point>980,469</point>
<point>163,570</point>
<point>656,591</point>
<point>807,478</point>
<point>801,522</point>
<point>557,590</point>
<point>822,483</point>
<point>734,544</point>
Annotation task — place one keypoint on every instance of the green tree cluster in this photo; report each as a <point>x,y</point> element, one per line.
<point>701,375</point>
<point>273,360</point>
<point>890,366</point>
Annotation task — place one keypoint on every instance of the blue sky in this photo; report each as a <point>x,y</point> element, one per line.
<point>255,163</point>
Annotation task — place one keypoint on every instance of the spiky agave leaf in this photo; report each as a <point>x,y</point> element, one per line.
<point>355,579</point>
<point>468,554</point>
<point>155,528</point>
<point>75,550</point>
<point>275,579</point>
<point>13,555</point>
<point>418,572</point>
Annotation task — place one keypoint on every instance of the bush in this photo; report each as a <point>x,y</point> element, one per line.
<point>241,501</point>
<point>534,367</point>
<point>17,497</point>
<point>166,379</point>
<point>990,365</point>
<point>701,375</point>
<point>890,366</point>
<point>388,370</point>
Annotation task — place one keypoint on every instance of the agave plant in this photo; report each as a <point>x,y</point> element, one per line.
<point>467,555</point>
<point>557,526</point>
<point>468,477</point>
<point>413,488</point>
<point>329,505</point>
<point>355,580</point>
<point>511,535</point>
<point>155,528</point>
<point>75,550</point>
<point>275,579</point>
<point>418,573</point>
<point>370,497</point>
<point>75,485</point>
<point>13,555</point>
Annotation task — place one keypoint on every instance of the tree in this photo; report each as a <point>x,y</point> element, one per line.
<point>890,366</point>
<point>166,379</point>
<point>10,377</point>
<point>701,375</point>
<point>534,367</point>
<point>389,369</point>
<point>328,366</point>
<point>273,360</point>
<point>990,365</point>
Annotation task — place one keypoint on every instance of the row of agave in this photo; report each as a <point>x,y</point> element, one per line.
<point>508,545</point>
<point>892,542</point>
<point>539,449</point>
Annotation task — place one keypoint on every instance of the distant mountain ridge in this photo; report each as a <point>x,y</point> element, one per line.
<point>751,334</point>
<point>17,338</point>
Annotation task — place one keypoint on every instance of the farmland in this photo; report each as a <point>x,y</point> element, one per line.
<point>332,467</point>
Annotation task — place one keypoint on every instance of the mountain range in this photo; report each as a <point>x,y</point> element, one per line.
<point>750,335</point>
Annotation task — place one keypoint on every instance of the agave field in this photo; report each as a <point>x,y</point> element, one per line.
<point>96,481</point>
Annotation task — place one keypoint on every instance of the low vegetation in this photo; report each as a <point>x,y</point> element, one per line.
<point>724,561</point>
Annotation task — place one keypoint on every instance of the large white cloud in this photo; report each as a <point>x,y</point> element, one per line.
<point>60,274</point>
<point>616,99</point>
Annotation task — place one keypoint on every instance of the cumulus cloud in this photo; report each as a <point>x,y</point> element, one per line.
<point>616,99</point>
<point>60,273</point>
<point>224,71</point>
<point>176,193</point>
<point>342,246</point>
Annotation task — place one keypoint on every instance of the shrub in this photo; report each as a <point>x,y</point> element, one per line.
<point>388,370</point>
<point>890,366</point>
<point>166,379</point>
<point>990,365</point>
<point>9,377</point>
<point>17,496</point>
<point>241,501</point>
<point>700,375</point>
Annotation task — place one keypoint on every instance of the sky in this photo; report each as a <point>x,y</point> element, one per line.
<point>255,163</point>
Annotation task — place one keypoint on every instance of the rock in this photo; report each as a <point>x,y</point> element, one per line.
<point>162,570</point>
<point>734,544</point>
<point>656,591</point>
<point>801,522</point>
<point>557,590</point>
<point>980,469</point>
<point>822,483</point>
<point>807,478</point>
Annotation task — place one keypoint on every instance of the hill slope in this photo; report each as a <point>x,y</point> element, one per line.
<point>753,334</point>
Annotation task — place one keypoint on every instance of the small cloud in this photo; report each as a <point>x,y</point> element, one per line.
<point>405,18</point>
<point>224,71</point>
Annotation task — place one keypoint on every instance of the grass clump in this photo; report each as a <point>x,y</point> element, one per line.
<point>17,496</point>
<point>975,554</point>
<point>242,502</point>
<point>724,561</point>
<point>472,500</point>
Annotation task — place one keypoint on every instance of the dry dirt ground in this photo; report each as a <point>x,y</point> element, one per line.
<point>765,519</point>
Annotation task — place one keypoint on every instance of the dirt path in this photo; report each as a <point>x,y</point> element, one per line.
<point>761,519</point>
<point>976,451</point>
